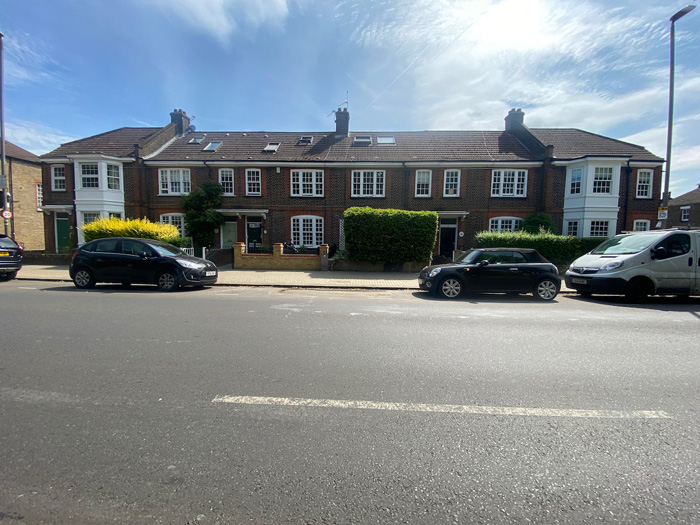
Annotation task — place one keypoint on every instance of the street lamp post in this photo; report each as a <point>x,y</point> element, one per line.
<point>677,16</point>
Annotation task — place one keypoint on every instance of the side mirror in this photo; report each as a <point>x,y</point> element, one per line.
<point>484,263</point>
<point>143,255</point>
<point>658,253</point>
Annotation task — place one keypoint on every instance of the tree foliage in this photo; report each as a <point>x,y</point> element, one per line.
<point>538,222</point>
<point>201,217</point>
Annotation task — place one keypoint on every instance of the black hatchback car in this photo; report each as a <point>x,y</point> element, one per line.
<point>493,270</point>
<point>10,258</point>
<point>143,261</point>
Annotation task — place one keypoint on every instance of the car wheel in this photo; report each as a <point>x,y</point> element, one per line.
<point>167,281</point>
<point>545,290</point>
<point>83,279</point>
<point>7,276</point>
<point>637,291</point>
<point>450,288</point>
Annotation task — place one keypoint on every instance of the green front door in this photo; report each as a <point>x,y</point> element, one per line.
<point>253,233</point>
<point>62,234</point>
<point>229,234</point>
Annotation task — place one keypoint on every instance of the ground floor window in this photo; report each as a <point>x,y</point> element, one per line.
<point>572,228</point>
<point>600,228</point>
<point>307,230</point>
<point>90,216</point>
<point>641,226</point>
<point>175,219</point>
<point>505,224</point>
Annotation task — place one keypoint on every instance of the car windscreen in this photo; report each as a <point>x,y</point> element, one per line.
<point>164,249</point>
<point>471,257</point>
<point>627,244</point>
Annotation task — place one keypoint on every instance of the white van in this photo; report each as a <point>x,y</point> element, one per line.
<point>639,264</point>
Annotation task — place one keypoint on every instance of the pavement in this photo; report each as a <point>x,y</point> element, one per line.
<point>271,278</point>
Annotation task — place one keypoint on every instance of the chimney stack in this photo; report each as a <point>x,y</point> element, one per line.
<point>515,119</point>
<point>342,122</point>
<point>181,121</point>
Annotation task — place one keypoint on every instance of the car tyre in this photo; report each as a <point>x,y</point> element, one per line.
<point>167,281</point>
<point>83,279</point>
<point>545,290</point>
<point>450,288</point>
<point>637,291</point>
<point>8,276</point>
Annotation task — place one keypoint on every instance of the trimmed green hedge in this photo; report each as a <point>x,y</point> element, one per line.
<point>140,228</point>
<point>559,249</point>
<point>389,236</point>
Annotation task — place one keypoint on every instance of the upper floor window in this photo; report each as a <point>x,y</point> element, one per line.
<point>175,219</point>
<point>644,178</point>
<point>368,183</point>
<point>226,180</point>
<point>451,186</point>
<point>307,183</point>
<point>174,182</point>
<point>307,230</point>
<point>89,176</point>
<point>509,183</point>
<point>685,213</point>
<point>113,180</point>
<point>423,183</point>
<point>58,178</point>
<point>253,182</point>
<point>39,195</point>
<point>602,180</point>
<point>641,225</point>
<point>575,186</point>
<point>599,228</point>
<point>505,224</point>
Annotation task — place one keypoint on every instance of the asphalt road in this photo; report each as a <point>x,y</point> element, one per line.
<point>239,405</point>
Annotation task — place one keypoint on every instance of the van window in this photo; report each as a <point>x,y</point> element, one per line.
<point>675,245</point>
<point>627,244</point>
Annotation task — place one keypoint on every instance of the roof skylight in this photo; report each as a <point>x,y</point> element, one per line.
<point>362,139</point>
<point>212,146</point>
<point>305,140</point>
<point>196,140</point>
<point>272,146</point>
<point>386,139</point>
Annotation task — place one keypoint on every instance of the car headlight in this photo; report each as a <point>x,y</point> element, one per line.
<point>611,266</point>
<point>434,272</point>
<point>191,265</point>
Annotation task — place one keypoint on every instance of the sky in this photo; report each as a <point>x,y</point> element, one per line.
<point>76,68</point>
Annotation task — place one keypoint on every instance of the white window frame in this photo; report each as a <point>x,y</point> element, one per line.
<point>450,188</point>
<point>307,228</point>
<point>602,228</point>
<point>368,183</point>
<point>253,179</point>
<point>424,183</point>
<point>685,213</point>
<point>505,224</point>
<point>114,181</point>
<point>226,183</point>
<point>641,225</point>
<point>306,183</point>
<point>58,178</point>
<point>174,181</point>
<point>175,219</point>
<point>603,180</point>
<point>509,183</point>
<point>88,179</point>
<point>576,181</point>
<point>572,228</point>
<point>39,195</point>
<point>644,187</point>
<point>93,215</point>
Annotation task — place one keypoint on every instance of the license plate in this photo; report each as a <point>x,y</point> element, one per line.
<point>4,254</point>
<point>210,274</point>
<point>578,281</point>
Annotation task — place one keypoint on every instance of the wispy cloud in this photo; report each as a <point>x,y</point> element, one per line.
<point>35,137</point>
<point>28,60</point>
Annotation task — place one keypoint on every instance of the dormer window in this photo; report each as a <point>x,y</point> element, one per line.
<point>212,146</point>
<point>305,140</point>
<point>362,140</point>
<point>272,147</point>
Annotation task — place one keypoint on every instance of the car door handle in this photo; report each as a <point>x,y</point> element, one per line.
<point>513,269</point>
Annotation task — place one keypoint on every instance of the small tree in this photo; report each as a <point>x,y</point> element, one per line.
<point>201,216</point>
<point>536,222</point>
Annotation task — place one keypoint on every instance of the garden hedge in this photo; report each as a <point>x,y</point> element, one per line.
<point>140,228</point>
<point>389,236</point>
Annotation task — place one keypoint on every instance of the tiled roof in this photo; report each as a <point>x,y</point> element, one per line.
<point>117,143</point>
<point>18,153</point>
<point>412,146</point>
<point>692,197</point>
<point>575,143</point>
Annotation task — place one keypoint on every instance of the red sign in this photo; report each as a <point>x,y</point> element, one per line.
<point>6,214</point>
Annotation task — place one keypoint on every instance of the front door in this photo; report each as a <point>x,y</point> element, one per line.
<point>229,234</point>
<point>448,237</point>
<point>253,233</point>
<point>62,234</point>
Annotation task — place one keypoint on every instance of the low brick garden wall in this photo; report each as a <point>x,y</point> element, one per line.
<point>278,260</point>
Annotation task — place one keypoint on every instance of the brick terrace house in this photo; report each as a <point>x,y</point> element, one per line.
<point>23,171</point>
<point>282,186</point>
<point>684,210</point>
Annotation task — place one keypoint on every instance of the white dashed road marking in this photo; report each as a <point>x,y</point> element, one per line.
<point>454,409</point>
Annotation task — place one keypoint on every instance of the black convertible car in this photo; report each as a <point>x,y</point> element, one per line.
<point>489,270</point>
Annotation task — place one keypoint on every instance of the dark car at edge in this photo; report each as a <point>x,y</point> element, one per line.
<point>10,258</point>
<point>138,261</point>
<point>493,270</point>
